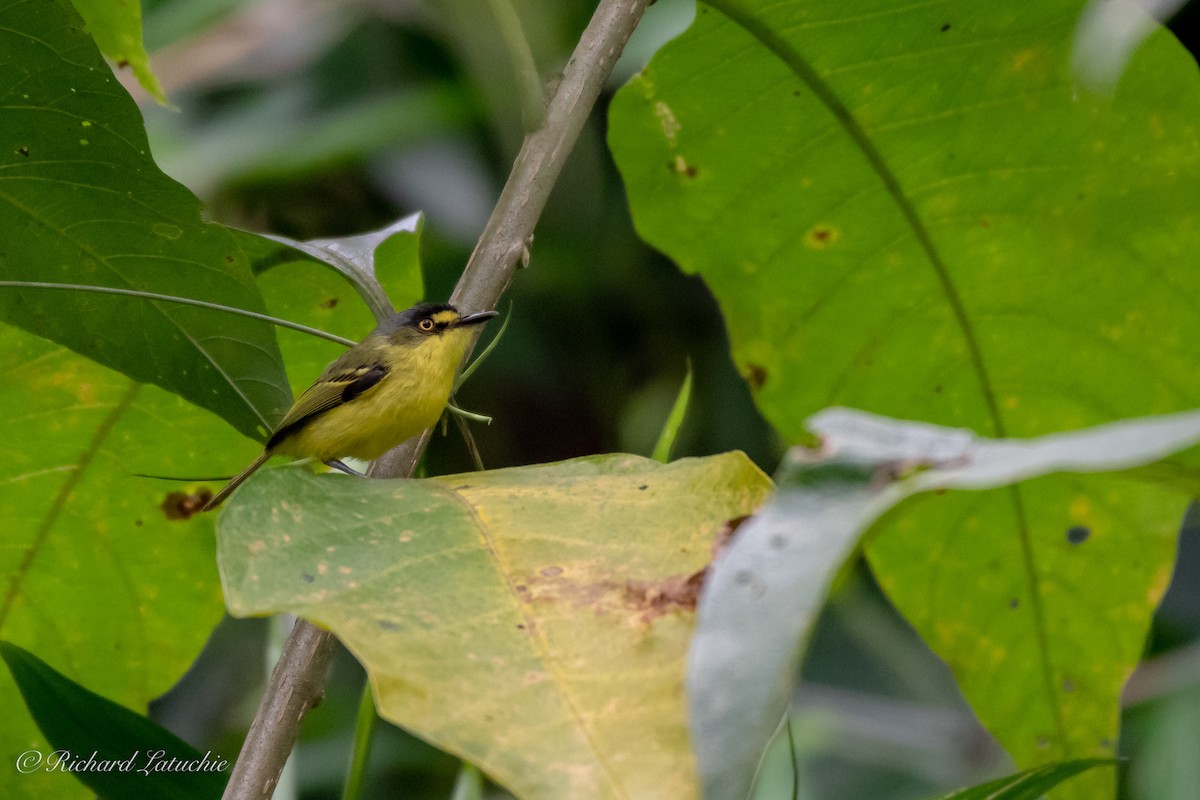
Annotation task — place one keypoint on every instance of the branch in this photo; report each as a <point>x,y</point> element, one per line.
<point>297,684</point>
<point>509,231</point>
<point>298,680</point>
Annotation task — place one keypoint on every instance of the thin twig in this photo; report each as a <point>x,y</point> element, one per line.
<point>487,275</point>
<point>509,231</point>
<point>183,301</point>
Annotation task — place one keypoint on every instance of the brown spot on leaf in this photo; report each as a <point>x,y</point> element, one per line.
<point>945,27</point>
<point>680,166</point>
<point>330,303</point>
<point>551,572</point>
<point>821,236</point>
<point>725,535</point>
<point>23,151</point>
<point>181,505</point>
<point>673,593</point>
<point>755,375</point>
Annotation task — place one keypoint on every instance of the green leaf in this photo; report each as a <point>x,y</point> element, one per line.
<point>765,593</point>
<point>662,448</point>
<point>92,729</point>
<point>913,209</point>
<point>923,222</point>
<point>82,202</point>
<point>531,620</point>
<point>103,574</point>
<point>117,29</point>
<point>1030,784</point>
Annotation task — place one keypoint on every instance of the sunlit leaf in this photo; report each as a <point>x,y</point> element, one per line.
<point>531,620</point>
<point>117,29</point>
<point>105,576</point>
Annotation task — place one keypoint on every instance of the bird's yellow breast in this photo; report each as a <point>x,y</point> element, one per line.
<point>409,399</point>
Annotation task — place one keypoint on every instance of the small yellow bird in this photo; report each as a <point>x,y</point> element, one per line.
<point>387,388</point>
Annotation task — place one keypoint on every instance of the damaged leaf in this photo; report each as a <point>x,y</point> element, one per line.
<point>560,595</point>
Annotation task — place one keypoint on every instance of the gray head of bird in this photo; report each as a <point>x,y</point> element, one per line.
<point>429,319</point>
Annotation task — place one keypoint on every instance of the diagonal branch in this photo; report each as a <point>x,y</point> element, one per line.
<point>297,683</point>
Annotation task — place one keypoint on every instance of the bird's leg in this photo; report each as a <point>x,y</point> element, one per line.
<point>340,467</point>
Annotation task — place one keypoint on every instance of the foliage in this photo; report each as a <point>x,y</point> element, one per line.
<point>916,210</point>
<point>77,722</point>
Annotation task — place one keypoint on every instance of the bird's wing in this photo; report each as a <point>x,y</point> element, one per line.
<point>338,385</point>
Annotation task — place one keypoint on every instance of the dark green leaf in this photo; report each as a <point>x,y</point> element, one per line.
<point>115,752</point>
<point>1030,784</point>
<point>82,202</point>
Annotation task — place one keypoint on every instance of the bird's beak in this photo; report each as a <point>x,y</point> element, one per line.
<point>476,318</point>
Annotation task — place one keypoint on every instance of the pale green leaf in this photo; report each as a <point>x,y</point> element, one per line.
<point>765,594</point>
<point>103,576</point>
<point>117,28</point>
<point>530,620</point>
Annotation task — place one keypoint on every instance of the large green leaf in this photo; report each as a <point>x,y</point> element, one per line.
<point>533,620</point>
<point>103,575</point>
<point>913,209</point>
<point>81,202</point>
<point>83,727</point>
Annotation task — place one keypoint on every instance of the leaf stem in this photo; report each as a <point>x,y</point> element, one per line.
<point>469,783</point>
<point>469,370</point>
<point>529,85</point>
<point>183,301</point>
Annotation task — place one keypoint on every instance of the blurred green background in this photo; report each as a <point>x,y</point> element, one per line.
<point>317,118</point>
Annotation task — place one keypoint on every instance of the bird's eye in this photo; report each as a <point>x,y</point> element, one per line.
<point>425,324</point>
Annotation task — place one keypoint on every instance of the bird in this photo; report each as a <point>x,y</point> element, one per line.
<point>386,389</point>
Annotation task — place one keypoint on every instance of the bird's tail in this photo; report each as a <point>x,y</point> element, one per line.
<point>235,482</point>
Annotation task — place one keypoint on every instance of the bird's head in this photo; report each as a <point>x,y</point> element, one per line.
<point>427,322</point>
